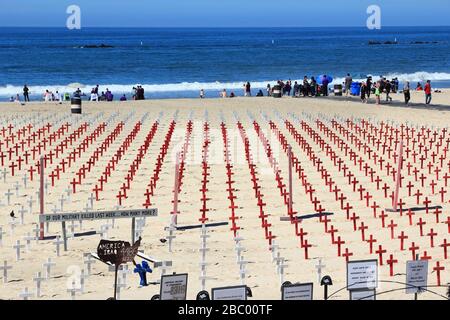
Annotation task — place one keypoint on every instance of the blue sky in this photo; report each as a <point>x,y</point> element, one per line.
<point>223,13</point>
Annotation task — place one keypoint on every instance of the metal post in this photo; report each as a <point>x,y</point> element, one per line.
<point>133,230</point>
<point>64,232</point>
<point>41,195</point>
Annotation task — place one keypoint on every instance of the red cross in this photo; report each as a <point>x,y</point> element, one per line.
<point>371,241</point>
<point>380,252</point>
<point>402,238</point>
<point>347,254</point>
<point>391,263</point>
<point>421,223</point>
<point>445,245</point>
<point>432,234</point>
<point>438,270</point>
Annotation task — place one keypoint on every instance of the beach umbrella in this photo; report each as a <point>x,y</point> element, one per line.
<point>322,77</point>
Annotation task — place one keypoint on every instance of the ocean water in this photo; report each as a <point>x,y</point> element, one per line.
<point>179,62</point>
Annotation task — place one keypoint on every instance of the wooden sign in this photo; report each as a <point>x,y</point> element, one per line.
<point>237,293</point>
<point>174,287</point>
<point>99,215</point>
<point>416,275</point>
<point>117,252</point>
<point>362,275</point>
<point>362,295</point>
<point>303,291</point>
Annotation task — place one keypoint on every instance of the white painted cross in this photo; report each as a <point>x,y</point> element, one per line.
<point>119,286</point>
<point>25,294</point>
<point>18,247</point>
<point>8,196</point>
<point>28,238</point>
<point>61,201</point>
<point>48,266</point>
<point>5,269</point>
<point>68,192</point>
<point>72,290</point>
<point>4,172</point>
<point>319,268</point>
<point>38,279</point>
<point>91,200</point>
<point>25,180</point>
<point>281,267</point>
<point>171,236</point>
<point>36,231</point>
<point>22,212</point>
<point>17,186</point>
<point>57,242</point>
<point>30,204</point>
<point>83,276</point>
<point>12,224</point>
<point>1,236</point>
<point>88,261</point>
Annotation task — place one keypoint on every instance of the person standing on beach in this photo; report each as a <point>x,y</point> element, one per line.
<point>269,90</point>
<point>325,83</point>
<point>407,92</point>
<point>26,93</point>
<point>368,87</point>
<point>248,90</point>
<point>427,90</point>
<point>388,88</point>
<point>378,92</point>
<point>363,92</point>
<point>313,87</point>
<point>202,94</point>
<point>348,84</point>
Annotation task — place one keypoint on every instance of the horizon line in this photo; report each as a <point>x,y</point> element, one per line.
<point>223,27</point>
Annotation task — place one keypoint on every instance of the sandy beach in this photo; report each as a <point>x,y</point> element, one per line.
<point>277,119</point>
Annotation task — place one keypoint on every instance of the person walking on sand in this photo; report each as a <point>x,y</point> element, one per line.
<point>427,91</point>
<point>407,92</point>
<point>26,91</point>
<point>202,94</point>
<point>388,88</point>
<point>368,87</point>
<point>269,90</point>
<point>378,93</point>
<point>348,84</point>
<point>363,92</point>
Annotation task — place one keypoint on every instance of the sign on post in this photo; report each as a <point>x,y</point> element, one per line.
<point>100,215</point>
<point>363,295</point>
<point>416,275</point>
<point>303,291</point>
<point>173,287</point>
<point>362,274</point>
<point>237,293</point>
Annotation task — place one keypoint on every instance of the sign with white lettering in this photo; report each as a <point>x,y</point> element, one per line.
<point>416,275</point>
<point>362,295</point>
<point>362,275</point>
<point>174,287</point>
<point>236,293</point>
<point>100,215</point>
<point>302,291</point>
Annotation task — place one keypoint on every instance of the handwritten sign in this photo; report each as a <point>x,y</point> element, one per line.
<point>302,291</point>
<point>416,275</point>
<point>362,275</point>
<point>237,293</point>
<point>117,252</point>
<point>173,287</point>
<point>100,215</point>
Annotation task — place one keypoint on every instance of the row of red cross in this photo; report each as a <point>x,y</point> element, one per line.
<point>134,166</point>
<point>205,174</point>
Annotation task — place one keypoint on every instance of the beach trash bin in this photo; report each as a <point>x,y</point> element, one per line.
<point>75,103</point>
<point>355,89</point>
<point>338,89</point>
<point>276,91</point>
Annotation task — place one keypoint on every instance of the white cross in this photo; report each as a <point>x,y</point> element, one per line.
<point>4,172</point>
<point>25,180</point>
<point>1,236</point>
<point>57,242</point>
<point>17,186</point>
<point>38,279</point>
<point>46,186</point>
<point>12,224</point>
<point>48,266</point>
<point>91,199</point>
<point>36,231</point>
<point>18,246</point>
<point>83,276</point>
<point>125,271</point>
<point>68,192</point>
<point>119,286</point>
<point>88,262</point>
<point>28,239</point>
<point>22,212</point>
<point>171,236</point>
<point>72,290</point>
<point>30,204</point>
<point>25,294</point>
<point>5,269</point>
<point>61,200</point>
<point>38,196</point>
<point>55,209</point>
<point>281,267</point>
<point>319,268</point>
<point>8,196</point>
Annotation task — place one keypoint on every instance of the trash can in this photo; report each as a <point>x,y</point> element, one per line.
<point>355,89</point>
<point>338,89</point>
<point>276,91</point>
<point>75,103</point>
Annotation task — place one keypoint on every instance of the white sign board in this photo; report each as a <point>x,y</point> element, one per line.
<point>363,295</point>
<point>173,287</point>
<point>298,292</point>
<point>99,215</point>
<point>362,275</point>
<point>416,275</point>
<point>230,293</point>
